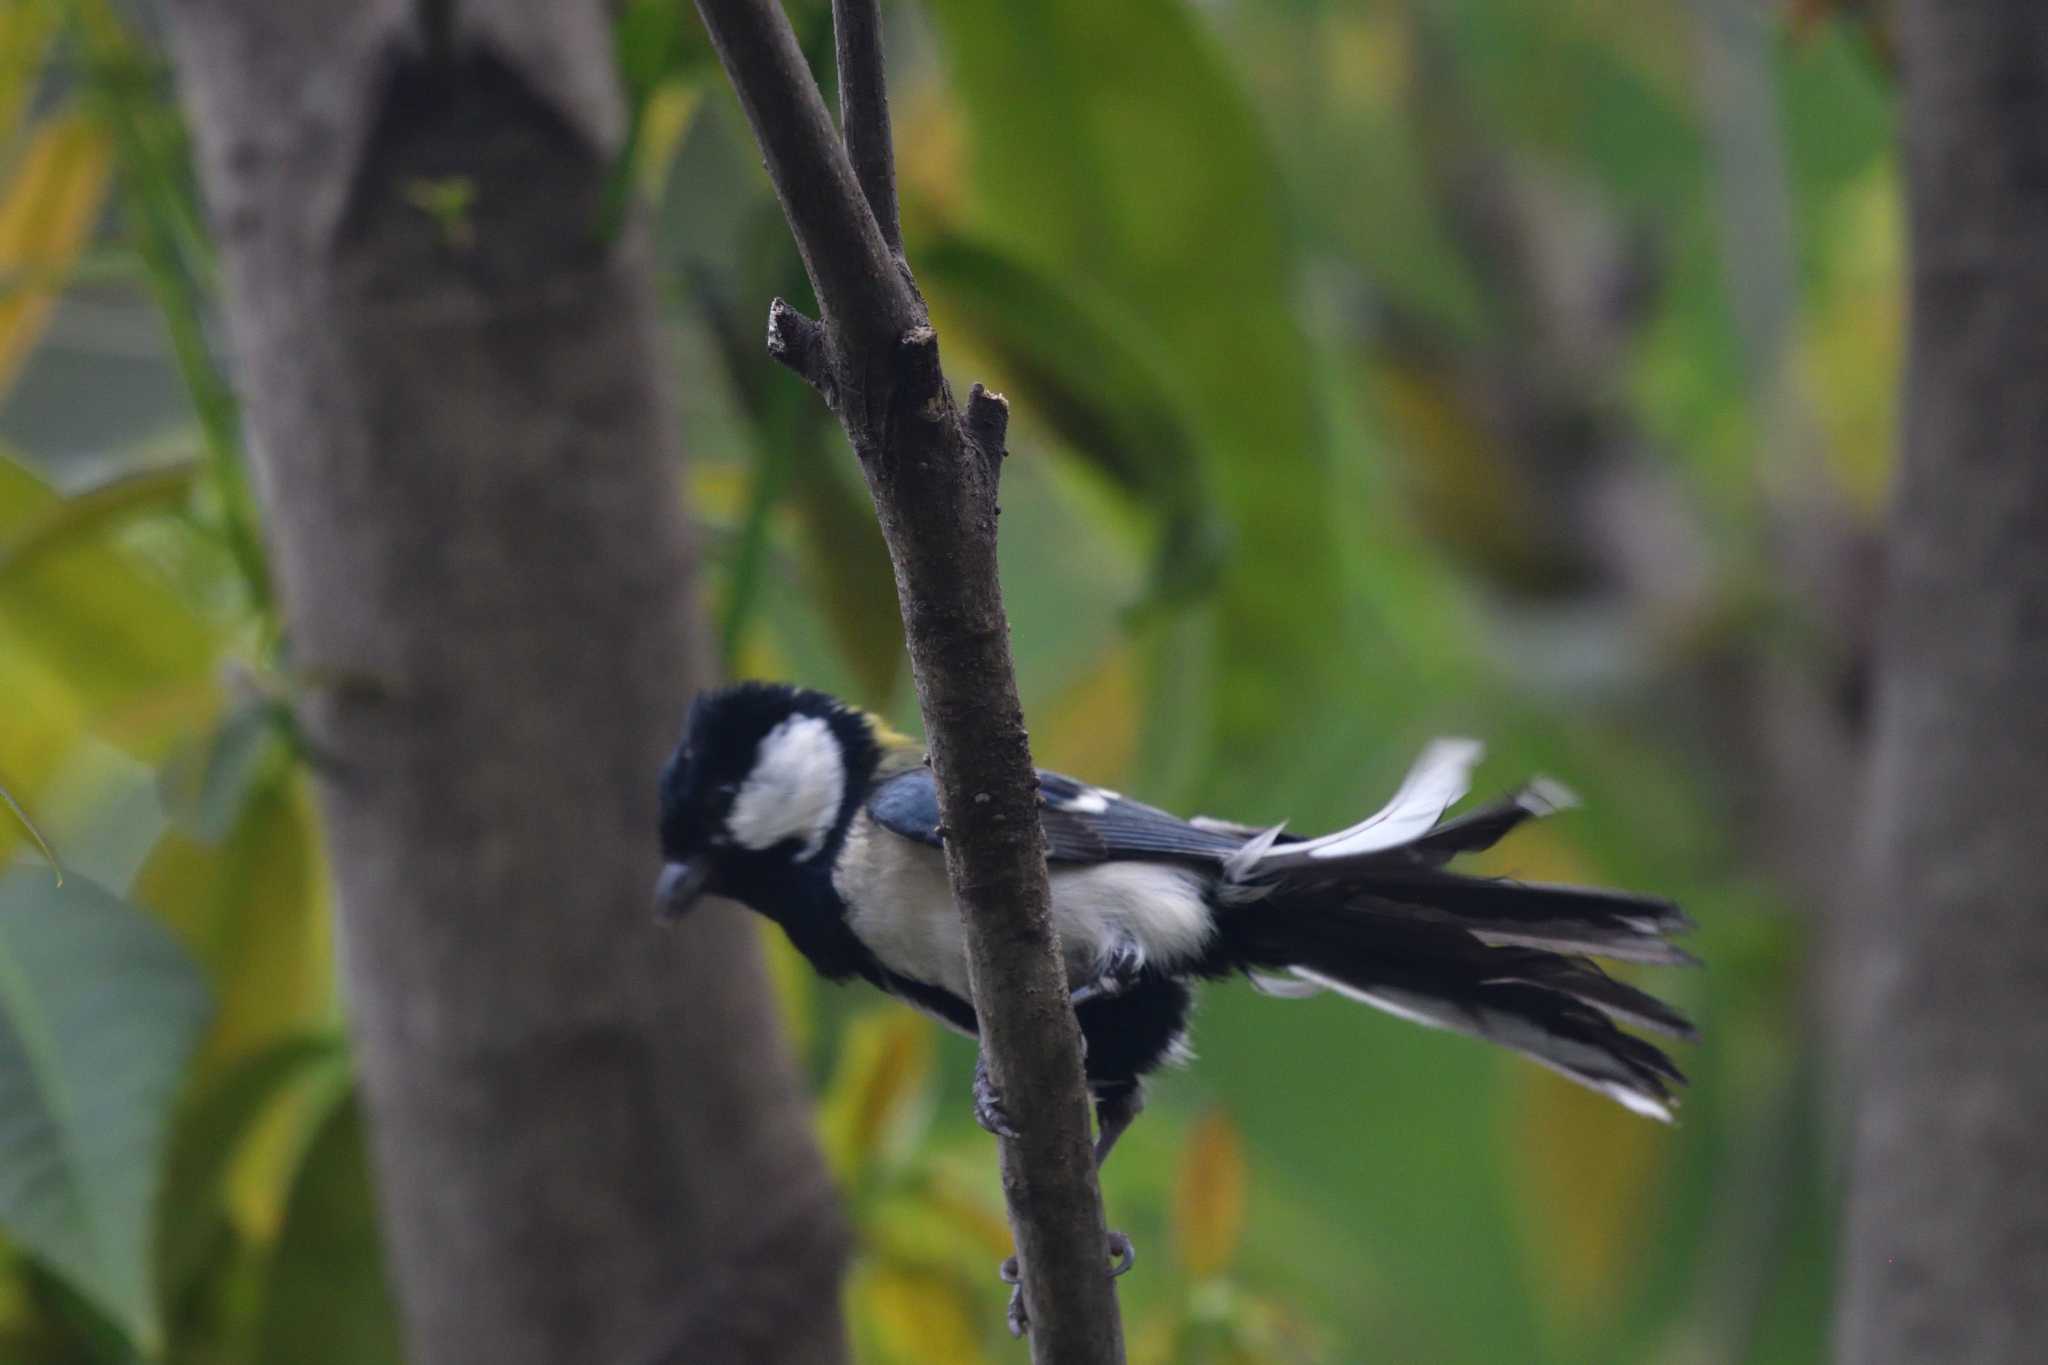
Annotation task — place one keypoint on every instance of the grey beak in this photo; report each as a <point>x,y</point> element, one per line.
<point>678,888</point>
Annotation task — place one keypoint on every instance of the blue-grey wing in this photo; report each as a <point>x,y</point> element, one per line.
<point>1083,824</point>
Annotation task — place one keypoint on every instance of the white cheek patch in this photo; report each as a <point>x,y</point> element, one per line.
<point>794,791</point>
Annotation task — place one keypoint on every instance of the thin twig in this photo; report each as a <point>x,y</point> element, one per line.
<point>865,296</point>
<point>864,110</point>
<point>799,343</point>
<point>933,472</point>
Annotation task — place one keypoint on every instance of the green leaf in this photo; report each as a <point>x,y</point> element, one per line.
<point>7,799</point>
<point>205,785</point>
<point>99,1009</point>
<point>25,32</point>
<point>1616,100</point>
<point>846,562</point>
<point>326,1303</point>
<point>47,211</point>
<point>159,200</point>
<point>800,460</point>
<point>92,511</point>
<point>211,1136</point>
<point>1088,375</point>
<point>252,910</point>
<point>90,611</point>
<point>1113,150</point>
<point>1090,379</point>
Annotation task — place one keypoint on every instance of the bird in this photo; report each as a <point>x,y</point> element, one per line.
<point>821,817</point>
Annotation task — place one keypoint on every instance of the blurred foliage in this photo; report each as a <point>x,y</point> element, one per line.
<point>1330,327</point>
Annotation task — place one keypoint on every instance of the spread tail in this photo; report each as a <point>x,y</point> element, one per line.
<point>1371,913</point>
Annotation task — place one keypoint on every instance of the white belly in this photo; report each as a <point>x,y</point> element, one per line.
<point>900,905</point>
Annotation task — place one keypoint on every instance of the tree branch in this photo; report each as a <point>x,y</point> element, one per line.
<point>866,298</point>
<point>799,343</point>
<point>933,473</point>
<point>864,110</point>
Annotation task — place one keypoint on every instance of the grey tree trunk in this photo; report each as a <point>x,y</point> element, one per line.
<point>589,1141</point>
<point>1947,1247</point>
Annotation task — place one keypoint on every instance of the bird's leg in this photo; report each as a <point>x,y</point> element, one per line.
<point>1120,968</point>
<point>1114,1111</point>
<point>1113,1114</point>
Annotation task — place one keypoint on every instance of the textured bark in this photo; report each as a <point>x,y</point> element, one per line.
<point>589,1143</point>
<point>933,471</point>
<point>1947,1249</point>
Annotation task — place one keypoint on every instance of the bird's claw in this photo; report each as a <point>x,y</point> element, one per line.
<point>1012,1274</point>
<point>1122,965</point>
<point>988,1105</point>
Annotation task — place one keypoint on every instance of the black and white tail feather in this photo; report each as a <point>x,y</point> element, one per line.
<point>1371,913</point>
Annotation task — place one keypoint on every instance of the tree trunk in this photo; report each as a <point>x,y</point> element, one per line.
<point>1947,1249</point>
<point>589,1141</point>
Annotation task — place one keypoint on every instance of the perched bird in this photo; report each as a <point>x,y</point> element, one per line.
<point>820,817</point>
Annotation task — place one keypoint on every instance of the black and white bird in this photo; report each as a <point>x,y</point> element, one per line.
<point>819,816</point>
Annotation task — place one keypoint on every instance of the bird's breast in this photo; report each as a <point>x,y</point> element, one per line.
<point>899,904</point>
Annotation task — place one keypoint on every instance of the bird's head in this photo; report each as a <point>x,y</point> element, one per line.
<point>764,780</point>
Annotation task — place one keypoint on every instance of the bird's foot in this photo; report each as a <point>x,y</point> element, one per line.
<point>988,1104</point>
<point>1122,964</point>
<point>1010,1273</point>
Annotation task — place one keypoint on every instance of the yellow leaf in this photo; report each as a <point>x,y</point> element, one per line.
<point>879,1091</point>
<point>1536,852</point>
<point>931,158</point>
<point>273,1149</point>
<point>718,491</point>
<point>91,513</point>
<point>1464,491</point>
<point>1156,1340</point>
<point>663,124</point>
<point>1584,1171</point>
<point>46,213</point>
<point>19,1311</point>
<point>31,754</point>
<point>1367,60</point>
<point>1092,727</point>
<point>1209,1196</point>
<point>254,912</point>
<point>103,624</point>
<point>1851,346</point>
<point>966,1212</point>
<point>919,1314</point>
<point>760,657</point>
